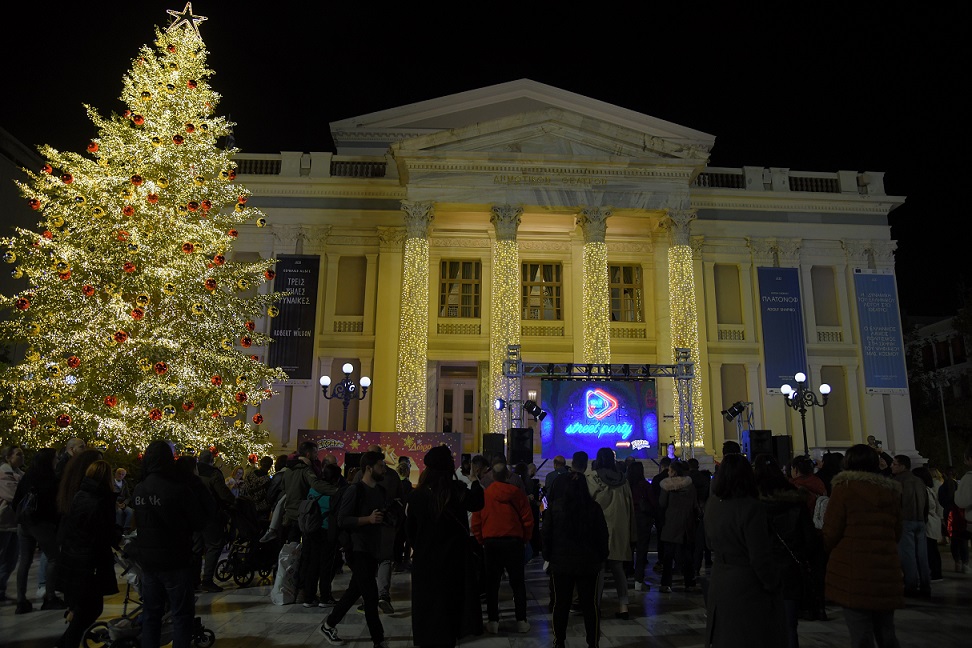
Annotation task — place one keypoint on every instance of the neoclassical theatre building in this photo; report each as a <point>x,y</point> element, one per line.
<point>521,214</point>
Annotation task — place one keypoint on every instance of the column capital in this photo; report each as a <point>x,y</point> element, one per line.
<point>593,222</point>
<point>678,222</point>
<point>505,220</point>
<point>418,218</point>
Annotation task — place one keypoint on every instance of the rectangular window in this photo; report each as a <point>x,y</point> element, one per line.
<point>460,285</point>
<point>626,293</point>
<point>727,294</point>
<point>542,290</point>
<point>823,281</point>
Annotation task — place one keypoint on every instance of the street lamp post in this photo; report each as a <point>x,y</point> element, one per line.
<point>803,398</point>
<point>346,390</point>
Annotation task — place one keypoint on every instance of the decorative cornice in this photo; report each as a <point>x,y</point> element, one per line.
<point>418,218</point>
<point>789,249</point>
<point>884,251</point>
<point>438,242</point>
<point>391,239</point>
<point>763,249</point>
<point>545,246</point>
<point>505,220</point>
<point>775,250</point>
<point>663,170</point>
<point>288,234</point>
<point>857,250</point>
<point>617,247</point>
<point>794,202</point>
<point>593,222</point>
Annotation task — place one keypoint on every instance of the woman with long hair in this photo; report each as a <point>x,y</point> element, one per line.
<point>575,543</point>
<point>609,489</point>
<point>38,527</point>
<point>744,606</point>
<point>861,530</point>
<point>86,571</point>
<point>74,472</point>
<point>437,526</point>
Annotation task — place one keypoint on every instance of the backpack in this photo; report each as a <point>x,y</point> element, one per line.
<point>309,516</point>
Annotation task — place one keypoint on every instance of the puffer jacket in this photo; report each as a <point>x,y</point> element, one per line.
<point>505,514</point>
<point>610,489</point>
<point>679,500</point>
<point>861,530</point>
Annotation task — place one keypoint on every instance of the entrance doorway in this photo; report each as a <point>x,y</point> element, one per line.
<point>457,404</point>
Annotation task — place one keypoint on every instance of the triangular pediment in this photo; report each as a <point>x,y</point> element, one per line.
<point>519,117</point>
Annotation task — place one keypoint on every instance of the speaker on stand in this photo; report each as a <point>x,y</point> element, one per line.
<point>520,443</point>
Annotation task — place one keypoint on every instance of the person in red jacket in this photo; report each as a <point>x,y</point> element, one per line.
<point>503,527</point>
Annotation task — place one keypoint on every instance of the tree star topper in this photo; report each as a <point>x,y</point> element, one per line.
<point>185,17</point>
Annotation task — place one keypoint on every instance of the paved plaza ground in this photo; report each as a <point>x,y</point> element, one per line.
<point>245,618</point>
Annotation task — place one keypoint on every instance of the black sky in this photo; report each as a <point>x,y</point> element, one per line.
<point>815,87</point>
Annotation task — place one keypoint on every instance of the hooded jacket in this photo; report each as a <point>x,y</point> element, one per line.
<point>166,513</point>
<point>505,514</point>
<point>298,480</point>
<point>679,500</point>
<point>861,530</point>
<point>609,488</point>
<point>86,535</point>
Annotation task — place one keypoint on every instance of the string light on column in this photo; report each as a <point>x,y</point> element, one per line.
<point>504,328</point>
<point>597,305</point>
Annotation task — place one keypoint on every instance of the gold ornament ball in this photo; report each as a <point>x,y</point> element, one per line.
<point>242,284</point>
<point>261,222</point>
<point>226,344</point>
<point>33,329</point>
<point>197,309</point>
<point>57,221</point>
<point>97,212</point>
<point>10,256</point>
<point>169,288</point>
<point>142,299</point>
<point>17,273</point>
<point>273,311</point>
<point>163,182</point>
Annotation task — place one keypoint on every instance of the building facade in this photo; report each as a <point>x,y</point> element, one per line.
<point>521,214</point>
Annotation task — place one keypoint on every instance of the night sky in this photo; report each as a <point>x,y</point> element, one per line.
<point>829,87</point>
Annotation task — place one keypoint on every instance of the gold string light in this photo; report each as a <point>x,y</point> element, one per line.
<point>504,326</point>
<point>410,408</point>
<point>684,322</point>
<point>597,305</point>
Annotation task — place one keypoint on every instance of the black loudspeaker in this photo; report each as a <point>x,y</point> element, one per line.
<point>351,460</point>
<point>783,449</point>
<point>521,445</point>
<point>493,444</point>
<point>757,442</point>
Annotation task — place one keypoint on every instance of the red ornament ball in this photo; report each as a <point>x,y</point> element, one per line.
<point>241,200</point>
<point>206,205</point>
<point>188,406</point>
<point>216,380</point>
<point>188,248</point>
<point>63,420</point>
<point>171,49</point>
<point>129,267</point>
<point>192,206</point>
<point>232,233</point>
<point>246,342</point>
<point>87,290</point>
<point>34,204</point>
<point>219,259</point>
<point>155,414</point>
<point>255,358</point>
<point>120,336</point>
<point>74,362</point>
<point>138,120</point>
<point>22,304</point>
<point>258,418</point>
<point>178,139</point>
<point>210,284</point>
<point>48,169</point>
<point>111,401</point>
<point>48,234</point>
<point>64,276</point>
<point>67,178</point>
<point>137,180</point>
<point>250,326</point>
<point>93,147</point>
<point>161,367</point>
<point>152,198</point>
<point>138,313</point>
<point>128,210</point>
<point>232,174</point>
<point>190,128</point>
<point>122,235</point>
<point>270,274</point>
<point>240,397</point>
<point>191,84</point>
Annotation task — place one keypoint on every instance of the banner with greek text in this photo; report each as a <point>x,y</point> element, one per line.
<point>882,345</point>
<point>781,310</point>
<point>293,329</point>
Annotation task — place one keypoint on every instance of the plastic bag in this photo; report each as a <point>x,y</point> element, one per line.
<point>284,591</point>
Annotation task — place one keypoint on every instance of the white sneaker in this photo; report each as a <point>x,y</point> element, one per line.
<point>637,586</point>
<point>331,634</point>
<point>41,592</point>
<point>523,626</point>
<point>492,627</point>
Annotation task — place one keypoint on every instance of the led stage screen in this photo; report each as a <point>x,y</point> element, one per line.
<point>589,415</point>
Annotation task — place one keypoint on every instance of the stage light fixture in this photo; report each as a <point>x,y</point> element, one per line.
<point>734,410</point>
<point>534,410</point>
<point>499,404</point>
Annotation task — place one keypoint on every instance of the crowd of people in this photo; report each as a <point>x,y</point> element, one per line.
<point>765,545</point>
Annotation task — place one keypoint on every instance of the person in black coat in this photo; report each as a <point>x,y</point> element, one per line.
<point>167,512</point>
<point>575,543</point>
<point>437,526</point>
<point>38,527</point>
<point>86,566</point>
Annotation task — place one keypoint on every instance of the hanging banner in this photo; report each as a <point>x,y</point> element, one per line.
<point>293,329</point>
<point>781,310</point>
<point>882,344</point>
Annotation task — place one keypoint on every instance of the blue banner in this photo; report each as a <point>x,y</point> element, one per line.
<point>882,346</point>
<point>781,309</point>
<point>292,329</point>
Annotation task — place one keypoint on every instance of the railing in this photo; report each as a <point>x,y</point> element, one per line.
<point>536,329</point>
<point>830,334</point>
<point>269,165</point>
<point>357,169</point>
<point>623,332</point>
<point>319,165</point>
<point>453,328</point>
<point>721,180</point>
<point>814,183</point>
<point>729,333</point>
<point>348,324</point>
<point>780,179</point>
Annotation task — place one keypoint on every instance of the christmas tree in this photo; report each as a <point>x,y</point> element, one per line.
<point>137,323</point>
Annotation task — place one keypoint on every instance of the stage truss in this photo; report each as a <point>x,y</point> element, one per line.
<point>683,371</point>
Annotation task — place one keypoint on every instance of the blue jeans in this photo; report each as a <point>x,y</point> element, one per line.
<point>175,587</point>
<point>913,551</point>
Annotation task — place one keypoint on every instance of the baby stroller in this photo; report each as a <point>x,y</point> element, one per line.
<point>125,631</point>
<point>247,555</point>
